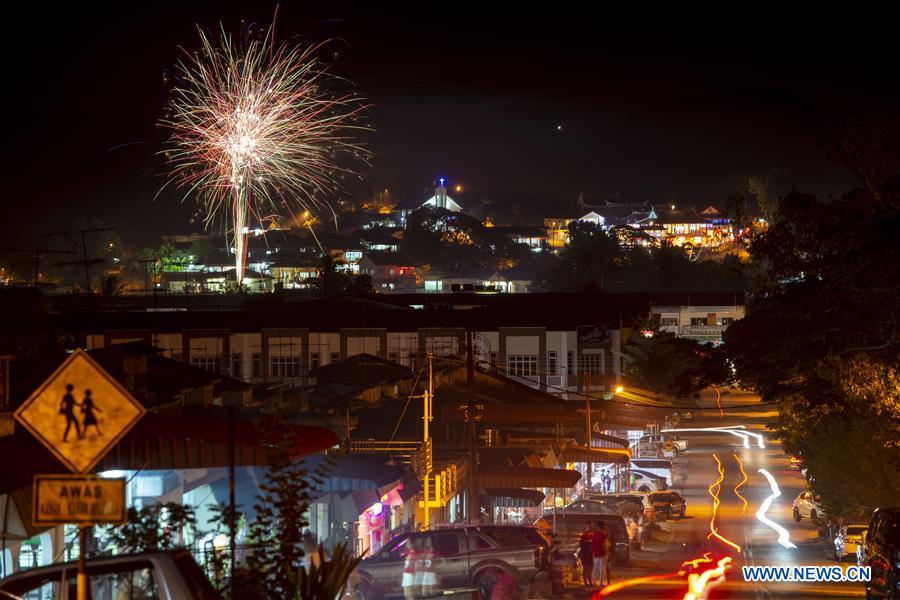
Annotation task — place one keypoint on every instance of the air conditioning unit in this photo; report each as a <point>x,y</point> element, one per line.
<point>554,380</point>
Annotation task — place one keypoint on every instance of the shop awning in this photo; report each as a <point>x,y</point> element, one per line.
<point>531,497</point>
<point>597,455</point>
<point>504,476</point>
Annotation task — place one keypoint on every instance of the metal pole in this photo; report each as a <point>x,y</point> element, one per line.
<point>232,526</point>
<point>426,417</point>
<point>81,580</point>
<point>589,436</point>
<point>87,267</point>
<point>474,504</point>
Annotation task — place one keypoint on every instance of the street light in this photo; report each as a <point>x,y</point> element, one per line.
<point>619,389</point>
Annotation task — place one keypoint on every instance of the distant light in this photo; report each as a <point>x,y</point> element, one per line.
<point>114,474</point>
<point>377,508</point>
<point>673,207</point>
<point>441,181</point>
<point>458,188</point>
<point>559,127</point>
<point>619,389</point>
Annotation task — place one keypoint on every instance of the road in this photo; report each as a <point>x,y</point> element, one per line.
<point>681,539</point>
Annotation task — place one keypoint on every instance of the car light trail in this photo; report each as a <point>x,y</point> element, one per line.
<point>713,531</point>
<point>614,587</point>
<point>784,537</point>
<point>700,585</point>
<point>706,558</point>
<point>743,481</point>
<point>741,434</point>
<point>719,402</point>
<point>759,437</point>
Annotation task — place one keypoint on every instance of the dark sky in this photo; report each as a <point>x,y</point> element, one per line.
<point>656,106</point>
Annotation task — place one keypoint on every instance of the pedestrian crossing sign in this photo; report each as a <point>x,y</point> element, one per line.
<point>79,413</point>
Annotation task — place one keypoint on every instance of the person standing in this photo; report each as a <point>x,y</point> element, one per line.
<point>585,555</point>
<point>429,577</point>
<point>67,408</point>
<point>408,582</point>
<point>600,551</point>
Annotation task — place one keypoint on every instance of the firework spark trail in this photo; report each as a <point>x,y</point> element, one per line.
<point>742,482</point>
<point>257,132</point>
<point>784,537</point>
<point>713,531</point>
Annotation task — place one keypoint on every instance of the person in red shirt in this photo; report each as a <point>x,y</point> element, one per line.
<point>600,550</point>
<point>585,556</point>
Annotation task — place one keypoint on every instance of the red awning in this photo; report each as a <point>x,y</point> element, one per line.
<point>504,476</point>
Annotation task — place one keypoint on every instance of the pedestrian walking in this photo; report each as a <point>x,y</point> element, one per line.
<point>87,409</point>
<point>600,551</point>
<point>408,582</point>
<point>67,407</point>
<point>585,555</point>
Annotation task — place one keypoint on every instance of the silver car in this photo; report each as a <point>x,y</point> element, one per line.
<point>151,575</point>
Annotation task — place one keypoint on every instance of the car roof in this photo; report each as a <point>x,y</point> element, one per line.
<point>99,561</point>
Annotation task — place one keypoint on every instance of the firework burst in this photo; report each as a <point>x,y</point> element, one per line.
<point>257,131</point>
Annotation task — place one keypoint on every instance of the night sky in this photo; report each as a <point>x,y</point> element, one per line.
<point>667,107</point>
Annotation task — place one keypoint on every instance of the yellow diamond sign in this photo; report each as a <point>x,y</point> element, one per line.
<point>80,412</point>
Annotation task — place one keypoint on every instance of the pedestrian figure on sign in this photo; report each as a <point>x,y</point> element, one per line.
<point>87,408</point>
<point>67,408</point>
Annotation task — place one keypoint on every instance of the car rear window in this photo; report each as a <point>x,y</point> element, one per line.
<point>514,536</point>
<point>855,530</point>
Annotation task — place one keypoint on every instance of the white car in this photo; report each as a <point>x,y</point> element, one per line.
<point>805,505</point>
<point>848,542</point>
<point>644,481</point>
<point>660,467</point>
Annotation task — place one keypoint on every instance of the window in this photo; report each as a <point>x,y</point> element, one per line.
<point>445,544</point>
<point>481,543</point>
<point>524,365</point>
<point>392,356</point>
<point>256,364</point>
<point>727,320</point>
<point>493,360</point>
<point>285,366</point>
<point>236,370</point>
<point>210,363</point>
<point>592,363</point>
<point>413,360</point>
<point>334,357</point>
<point>551,362</point>
<point>570,362</point>
<point>314,360</point>
<point>669,320</point>
<point>395,551</point>
<point>698,321</point>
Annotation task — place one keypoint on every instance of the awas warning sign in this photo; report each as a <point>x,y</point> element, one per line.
<point>78,499</point>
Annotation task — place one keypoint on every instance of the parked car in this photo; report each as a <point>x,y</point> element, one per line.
<point>847,541</point>
<point>645,481</point>
<point>172,575</point>
<point>681,445</point>
<point>658,466</point>
<point>629,504</point>
<point>569,527</point>
<point>668,504</point>
<point>597,507</point>
<point>465,557</point>
<point>882,549</point>
<point>806,505</point>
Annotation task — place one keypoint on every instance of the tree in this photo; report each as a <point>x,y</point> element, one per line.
<point>276,536</point>
<point>664,363</point>
<point>154,528</point>
<point>821,339</point>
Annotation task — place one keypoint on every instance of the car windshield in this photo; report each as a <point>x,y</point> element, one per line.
<point>514,536</point>
<point>855,530</point>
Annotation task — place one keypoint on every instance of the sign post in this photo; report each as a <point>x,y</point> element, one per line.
<point>79,414</point>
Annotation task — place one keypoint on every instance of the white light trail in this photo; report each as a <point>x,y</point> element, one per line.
<point>741,434</point>
<point>784,537</point>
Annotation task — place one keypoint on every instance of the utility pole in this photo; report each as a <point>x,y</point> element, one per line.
<point>88,263</point>
<point>426,439</point>
<point>471,410</point>
<point>589,434</point>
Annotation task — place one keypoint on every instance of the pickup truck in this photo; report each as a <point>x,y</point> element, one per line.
<point>172,575</point>
<point>464,558</point>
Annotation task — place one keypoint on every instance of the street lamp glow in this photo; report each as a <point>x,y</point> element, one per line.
<point>619,389</point>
